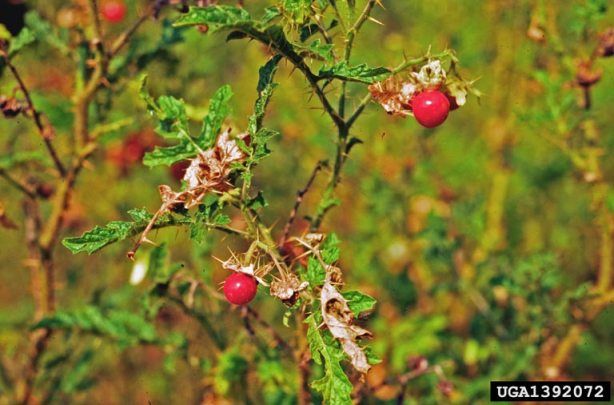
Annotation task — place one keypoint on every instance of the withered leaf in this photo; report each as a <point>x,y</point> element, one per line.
<point>339,319</point>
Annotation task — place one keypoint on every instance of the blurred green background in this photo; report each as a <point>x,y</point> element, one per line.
<point>479,239</point>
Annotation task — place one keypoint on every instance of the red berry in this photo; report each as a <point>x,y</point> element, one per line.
<point>114,11</point>
<point>430,108</point>
<point>240,288</point>
<point>178,169</point>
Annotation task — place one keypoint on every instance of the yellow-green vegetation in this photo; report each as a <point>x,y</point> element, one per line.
<point>150,149</point>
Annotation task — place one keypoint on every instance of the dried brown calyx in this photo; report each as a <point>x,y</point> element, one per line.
<point>606,43</point>
<point>12,107</point>
<point>287,288</point>
<point>396,92</point>
<point>586,75</point>
<point>250,266</point>
<point>208,172</point>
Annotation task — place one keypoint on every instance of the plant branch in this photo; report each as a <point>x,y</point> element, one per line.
<point>299,199</point>
<point>406,64</point>
<point>349,43</point>
<point>300,64</point>
<point>125,36</point>
<point>203,320</point>
<point>46,131</point>
<point>279,340</point>
<point>18,184</point>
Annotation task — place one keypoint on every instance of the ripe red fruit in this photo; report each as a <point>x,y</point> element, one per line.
<point>430,108</point>
<point>240,288</point>
<point>178,169</point>
<point>114,11</point>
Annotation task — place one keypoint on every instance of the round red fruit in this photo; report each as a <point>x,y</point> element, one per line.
<point>240,288</point>
<point>114,11</point>
<point>430,108</point>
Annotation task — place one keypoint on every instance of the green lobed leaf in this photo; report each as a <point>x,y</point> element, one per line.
<point>44,31</point>
<point>19,158</point>
<point>207,215</point>
<point>270,13</point>
<point>169,155</point>
<point>231,369</point>
<point>315,273</point>
<point>23,39</point>
<point>77,377</point>
<point>158,268</point>
<point>265,88</point>
<point>359,302</point>
<point>296,11</point>
<point>127,327</point>
<point>216,17</point>
<point>4,33</point>
<point>170,112</point>
<point>330,249</point>
<point>140,215</point>
<point>101,236</point>
<point>260,148</point>
<point>321,50</point>
<point>334,386</point>
<point>219,109</point>
<point>359,73</point>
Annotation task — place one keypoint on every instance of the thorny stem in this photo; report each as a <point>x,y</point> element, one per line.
<point>204,322</point>
<point>46,131</point>
<point>299,199</point>
<point>560,356</point>
<point>344,130</point>
<point>406,64</point>
<point>279,340</point>
<point>300,64</point>
<point>349,43</point>
<point>19,185</point>
<point>44,237</point>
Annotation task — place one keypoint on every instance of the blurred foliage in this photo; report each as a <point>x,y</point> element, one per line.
<point>481,240</point>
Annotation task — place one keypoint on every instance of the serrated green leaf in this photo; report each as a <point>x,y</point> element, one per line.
<point>319,50</point>
<point>330,249</point>
<point>216,17</point>
<point>76,377</point>
<point>4,33</point>
<point>23,39</point>
<point>315,274</point>
<point>158,268</point>
<point>169,155</point>
<point>173,117</point>
<point>19,158</point>
<point>140,215</point>
<point>221,219</point>
<point>127,327</point>
<point>44,31</point>
<point>170,112</point>
<point>359,302</point>
<point>270,13</point>
<point>265,89</point>
<point>334,386</point>
<point>231,369</point>
<point>101,236</point>
<point>296,11</point>
<point>219,109</point>
<point>359,73</point>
